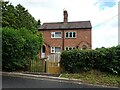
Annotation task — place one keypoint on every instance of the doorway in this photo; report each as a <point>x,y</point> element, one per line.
<point>43,50</point>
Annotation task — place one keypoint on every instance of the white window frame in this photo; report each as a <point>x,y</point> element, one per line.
<point>69,34</point>
<point>69,48</point>
<point>53,49</point>
<point>53,33</point>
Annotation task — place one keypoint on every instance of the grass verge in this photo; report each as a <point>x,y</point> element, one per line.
<point>95,77</point>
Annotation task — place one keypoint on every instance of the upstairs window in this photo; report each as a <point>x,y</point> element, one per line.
<point>70,34</point>
<point>56,35</point>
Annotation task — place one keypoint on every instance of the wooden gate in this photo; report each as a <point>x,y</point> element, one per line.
<point>53,64</point>
<point>50,65</point>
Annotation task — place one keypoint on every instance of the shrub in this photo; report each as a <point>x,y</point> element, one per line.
<point>104,59</point>
<point>19,47</point>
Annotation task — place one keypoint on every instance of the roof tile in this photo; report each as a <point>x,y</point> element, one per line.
<point>68,25</point>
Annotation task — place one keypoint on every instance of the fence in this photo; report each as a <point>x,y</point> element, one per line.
<point>37,66</point>
<point>50,65</point>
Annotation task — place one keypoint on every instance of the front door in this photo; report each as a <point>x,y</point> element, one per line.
<point>43,52</point>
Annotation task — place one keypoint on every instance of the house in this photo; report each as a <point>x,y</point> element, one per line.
<point>59,36</point>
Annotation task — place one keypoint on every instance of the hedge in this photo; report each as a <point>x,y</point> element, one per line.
<point>103,59</point>
<point>18,48</point>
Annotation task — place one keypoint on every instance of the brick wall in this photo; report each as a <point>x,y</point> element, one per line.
<point>83,37</point>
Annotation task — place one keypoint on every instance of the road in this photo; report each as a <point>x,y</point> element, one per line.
<point>22,82</point>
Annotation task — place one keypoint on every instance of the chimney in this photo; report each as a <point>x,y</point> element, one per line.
<point>65,16</point>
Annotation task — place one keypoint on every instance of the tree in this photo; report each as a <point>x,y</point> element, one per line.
<point>17,17</point>
<point>5,14</point>
<point>20,39</point>
<point>26,18</point>
<point>38,23</point>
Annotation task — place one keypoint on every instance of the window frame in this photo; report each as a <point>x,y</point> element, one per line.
<point>53,33</point>
<point>69,34</point>
<point>53,49</point>
<point>68,48</point>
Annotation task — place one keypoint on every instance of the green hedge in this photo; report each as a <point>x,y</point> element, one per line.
<point>18,48</point>
<point>104,59</point>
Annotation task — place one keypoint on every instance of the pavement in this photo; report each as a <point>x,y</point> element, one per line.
<point>41,76</point>
<point>48,77</point>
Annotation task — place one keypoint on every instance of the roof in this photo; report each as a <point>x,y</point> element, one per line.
<point>68,25</point>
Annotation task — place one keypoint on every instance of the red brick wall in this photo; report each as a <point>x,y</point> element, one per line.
<point>52,41</point>
<point>83,37</point>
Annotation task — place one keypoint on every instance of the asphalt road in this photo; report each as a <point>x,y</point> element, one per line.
<point>22,82</point>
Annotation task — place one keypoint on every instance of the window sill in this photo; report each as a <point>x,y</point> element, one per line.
<point>70,38</point>
<point>56,38</point>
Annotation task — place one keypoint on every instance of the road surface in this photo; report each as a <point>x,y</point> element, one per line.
<point>23,82</point>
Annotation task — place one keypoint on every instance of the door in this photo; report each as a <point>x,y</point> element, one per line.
<point>43,51</point>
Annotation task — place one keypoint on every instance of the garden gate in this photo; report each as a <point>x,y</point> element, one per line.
<point>53,64</point>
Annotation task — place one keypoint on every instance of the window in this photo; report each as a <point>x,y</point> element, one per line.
<point>67,34</point>
<point>69,48</point>
<point>73,48</point>
<point>74,34</point>
<point>66,48</point>
<point>70,34</point>
<point>55,49</point>
<point>56,35</point>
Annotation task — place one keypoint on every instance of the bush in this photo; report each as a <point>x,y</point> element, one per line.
<point>104,59</point>
<point>19,47</point>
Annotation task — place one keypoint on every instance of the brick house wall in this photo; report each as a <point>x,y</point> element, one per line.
<point>83,37</point>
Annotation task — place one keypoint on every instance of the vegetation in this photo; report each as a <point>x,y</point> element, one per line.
<point>95,77</point>
<point>20,39</point>
<point>19,46</point>
<point>103,59</point>
<point>18,17</point>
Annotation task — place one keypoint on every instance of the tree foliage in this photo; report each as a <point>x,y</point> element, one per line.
<point>17,17</point>
<point>39,23</point>
<point>19,47</point>
<point>20,39</point>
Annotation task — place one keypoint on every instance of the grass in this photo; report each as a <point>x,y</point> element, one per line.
<point>95,77</point>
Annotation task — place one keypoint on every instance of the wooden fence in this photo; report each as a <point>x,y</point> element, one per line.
<point>51,65</point>
<point>37,65</point>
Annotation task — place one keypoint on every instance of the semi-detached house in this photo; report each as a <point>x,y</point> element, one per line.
<point>59,36</point>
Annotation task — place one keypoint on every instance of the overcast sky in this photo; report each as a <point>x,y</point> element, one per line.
<point>103,15</point>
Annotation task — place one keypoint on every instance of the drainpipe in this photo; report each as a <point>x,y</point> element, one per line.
<point>62,40</point>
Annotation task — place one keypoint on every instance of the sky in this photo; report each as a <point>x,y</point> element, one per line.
<point>103,15</point>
